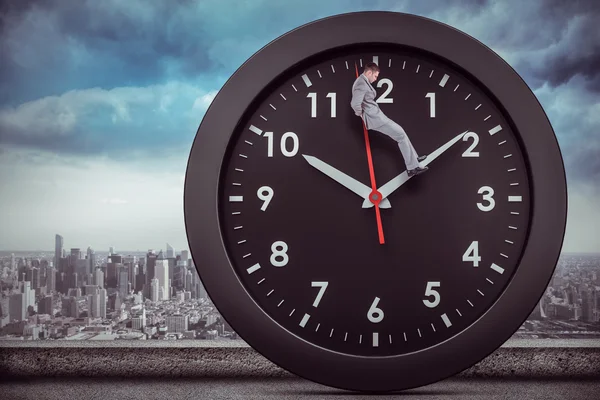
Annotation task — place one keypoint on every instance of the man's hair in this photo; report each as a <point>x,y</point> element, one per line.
<point>371,67</point>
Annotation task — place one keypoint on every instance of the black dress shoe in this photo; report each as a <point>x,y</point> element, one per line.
<point>416,171</point>
<point>421,158</point>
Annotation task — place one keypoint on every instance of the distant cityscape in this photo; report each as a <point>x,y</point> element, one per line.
<point>158,295</point>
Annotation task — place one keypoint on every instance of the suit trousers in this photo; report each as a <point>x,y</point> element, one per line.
<point>397,133</point>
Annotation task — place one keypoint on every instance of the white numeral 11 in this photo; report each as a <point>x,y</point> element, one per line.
<point>313,104</point>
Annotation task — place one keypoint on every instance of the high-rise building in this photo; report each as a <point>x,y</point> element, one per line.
<point>99,278</point>
<point>13,264</point>
<point>111,250</point>
<point>162,274</point>
<point>138,319</point>
<point>150,271</point>
<point>97,304</point>
<point>46,306</point>
<point>58,248</point>
<point>123,283</point>
<point>185,255</point>
<point>177,323</point>
<point>18,307</point>
<point>155,290</point>
<point>50,279</point>
<point>91,260</point>
<point>170,251</point>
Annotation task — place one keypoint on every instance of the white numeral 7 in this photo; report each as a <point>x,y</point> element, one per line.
<point>323,287</point>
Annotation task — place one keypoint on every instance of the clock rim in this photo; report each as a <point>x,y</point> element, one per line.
<point>547,187</point>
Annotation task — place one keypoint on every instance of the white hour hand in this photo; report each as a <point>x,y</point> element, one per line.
<point>345,180</point>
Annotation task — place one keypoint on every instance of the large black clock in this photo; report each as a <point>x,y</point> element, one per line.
<point>282,221</point>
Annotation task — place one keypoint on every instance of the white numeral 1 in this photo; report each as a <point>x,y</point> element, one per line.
<point>431,97</point>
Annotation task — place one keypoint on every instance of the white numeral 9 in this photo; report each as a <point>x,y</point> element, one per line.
<point>375,314</point>
<point>487,192</point>
<point>265,194</point>
<point>429,291</point>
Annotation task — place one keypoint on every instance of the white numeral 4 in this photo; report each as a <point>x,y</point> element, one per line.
<point>429,291</point>
<point>472,254</point>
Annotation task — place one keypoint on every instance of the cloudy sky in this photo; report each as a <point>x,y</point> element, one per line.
<point>100,102</point>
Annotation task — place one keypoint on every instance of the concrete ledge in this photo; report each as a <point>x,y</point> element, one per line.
<point>534,359</point>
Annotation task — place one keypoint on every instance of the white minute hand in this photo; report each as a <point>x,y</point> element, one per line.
<point>401,179</point>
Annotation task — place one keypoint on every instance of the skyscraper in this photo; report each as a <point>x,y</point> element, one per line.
<point>99,278</point>
<point>185,255</point>
<point>162,274</point>
<point>150,271</point>
<point>50,279</point>
<point>58,248</point>
<point>170,251</point>
<point>154,290</point>
<point>91,257</point>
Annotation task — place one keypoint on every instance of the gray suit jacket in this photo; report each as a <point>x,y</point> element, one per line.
<point>363,103</point>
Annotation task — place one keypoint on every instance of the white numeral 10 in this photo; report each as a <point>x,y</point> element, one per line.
<point>265,193</point>
<point>375,314</point>
<point>283,144</point>
<point>313,104</point>
<point>429,291</point>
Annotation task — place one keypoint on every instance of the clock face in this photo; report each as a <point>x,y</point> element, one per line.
<point>306,248</point>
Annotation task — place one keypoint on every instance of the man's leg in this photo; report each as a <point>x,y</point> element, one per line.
<point>397,133</point>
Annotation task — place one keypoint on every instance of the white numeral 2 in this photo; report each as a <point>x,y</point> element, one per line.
<point>469,152</point>
<point>390,86</point>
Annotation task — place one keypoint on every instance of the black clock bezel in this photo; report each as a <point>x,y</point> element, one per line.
<point>376,374</point>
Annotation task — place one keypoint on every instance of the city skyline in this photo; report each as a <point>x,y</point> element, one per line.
<point>101,104</point>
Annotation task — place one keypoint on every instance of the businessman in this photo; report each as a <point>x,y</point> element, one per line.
<point>364,105</point>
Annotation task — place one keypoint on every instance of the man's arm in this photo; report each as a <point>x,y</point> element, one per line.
<point>358,94</point>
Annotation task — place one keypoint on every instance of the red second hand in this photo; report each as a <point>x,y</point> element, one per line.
<point>375,196</point>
